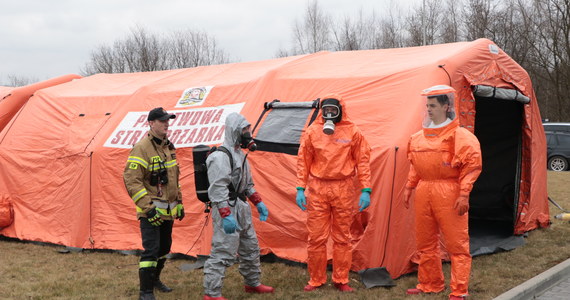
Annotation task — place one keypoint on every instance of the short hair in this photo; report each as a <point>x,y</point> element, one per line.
<point>441,99</point>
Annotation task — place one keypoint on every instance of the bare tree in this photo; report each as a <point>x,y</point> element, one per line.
<point>450,25</point>
<point>424,23</point>
<point>144,51</point>
<point>551,55</point>
<point>17,80</point>
<point>192,49</point>
<point>508,28</point>
<point>477,15</point>
<point>281,52</point>
<point>347,36</point>
<point>105,59</point>
<point>361,33</point>
<point>535,33</point>
<point>414,28</point>
<point>391,29</point>
<point>312,33</point>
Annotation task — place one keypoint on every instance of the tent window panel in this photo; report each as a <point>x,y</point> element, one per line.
<point>283,125</point>
<point>282,128</point>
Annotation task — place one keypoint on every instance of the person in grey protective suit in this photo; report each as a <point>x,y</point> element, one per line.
<point>231,214</point>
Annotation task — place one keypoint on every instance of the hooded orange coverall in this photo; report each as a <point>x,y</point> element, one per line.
<point>328,164</point>
<point>445,162</point>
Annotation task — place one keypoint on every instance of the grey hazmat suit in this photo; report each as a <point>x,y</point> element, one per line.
<point>244,240</point>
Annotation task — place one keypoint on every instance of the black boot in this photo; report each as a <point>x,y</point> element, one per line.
<point>157,283</point>
<point>146,277</point>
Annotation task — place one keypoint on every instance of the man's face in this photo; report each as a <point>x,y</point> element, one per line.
<point>159,127</point>
<point>437,112</point>
<point>333,111</point>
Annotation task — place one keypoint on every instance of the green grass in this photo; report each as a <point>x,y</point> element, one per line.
<point>31,271</point>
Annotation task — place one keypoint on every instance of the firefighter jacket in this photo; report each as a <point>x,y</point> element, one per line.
<point>153,159</point>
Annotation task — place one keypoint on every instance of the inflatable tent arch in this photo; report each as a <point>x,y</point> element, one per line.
<point>13,98</point>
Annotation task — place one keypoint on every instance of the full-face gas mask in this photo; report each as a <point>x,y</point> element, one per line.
<point>332,114</point>
<point>246,141</point>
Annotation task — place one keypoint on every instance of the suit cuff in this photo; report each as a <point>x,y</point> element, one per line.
<point>255,198</point>
<point>224,212</point>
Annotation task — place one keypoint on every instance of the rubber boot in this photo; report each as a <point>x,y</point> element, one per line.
<point>414,291</point>
<point>310,288</point>
<point>260,289</point>
<point>343,287</point>
<point>206,297</point>
<point>146,277</point>
<point>157,283</point>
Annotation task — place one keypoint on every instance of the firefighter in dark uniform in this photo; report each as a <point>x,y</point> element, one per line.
<point>151,178</point>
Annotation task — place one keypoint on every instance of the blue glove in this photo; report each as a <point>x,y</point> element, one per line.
<point>263,212</point>
<point>364,201</point>
<point>301,200</point>
<point>230,224</point>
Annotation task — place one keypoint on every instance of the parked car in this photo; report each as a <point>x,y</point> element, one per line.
<point>558,127</point>
<point>558,150</point>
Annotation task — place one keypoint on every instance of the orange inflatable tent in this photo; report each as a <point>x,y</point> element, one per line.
<point>13,98</point>
<point>62,158</point>
<point>5,91</point>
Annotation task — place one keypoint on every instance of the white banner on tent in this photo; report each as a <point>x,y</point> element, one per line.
<point>190,128</point>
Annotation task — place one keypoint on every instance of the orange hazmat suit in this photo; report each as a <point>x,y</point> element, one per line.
<point>327,164</point>
<point>445,162</point>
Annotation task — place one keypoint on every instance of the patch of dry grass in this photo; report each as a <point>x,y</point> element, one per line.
<point>30,271</point>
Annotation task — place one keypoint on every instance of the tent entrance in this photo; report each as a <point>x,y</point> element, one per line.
<point>494,198</point>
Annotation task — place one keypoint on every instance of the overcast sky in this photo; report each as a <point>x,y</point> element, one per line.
<point>43,39</point>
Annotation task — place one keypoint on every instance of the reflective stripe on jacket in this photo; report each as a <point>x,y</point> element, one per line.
<point>149,155</point>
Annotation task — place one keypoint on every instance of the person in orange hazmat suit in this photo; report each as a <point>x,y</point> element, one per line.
<point>445,162</point>
<point>332,152</point>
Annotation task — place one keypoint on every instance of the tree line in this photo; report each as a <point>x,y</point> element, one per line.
<point>143,51</point>
<point>535,33</point>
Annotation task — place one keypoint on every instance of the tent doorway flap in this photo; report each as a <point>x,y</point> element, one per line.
<point>494,198</point>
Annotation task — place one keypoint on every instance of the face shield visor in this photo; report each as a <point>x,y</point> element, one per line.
<point>331,111</point>
<point>440,106</point>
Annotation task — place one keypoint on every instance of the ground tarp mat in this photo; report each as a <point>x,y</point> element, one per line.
<point>376,277</point>
<point>198,264</point>
<point>486,237</point>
